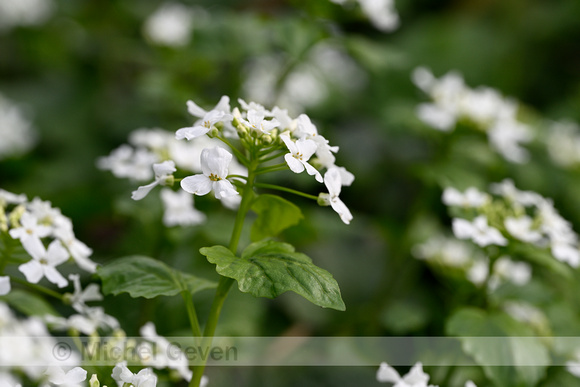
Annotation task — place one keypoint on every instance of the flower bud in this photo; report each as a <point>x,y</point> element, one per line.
<point>94,382</point>
<point>323,199</point>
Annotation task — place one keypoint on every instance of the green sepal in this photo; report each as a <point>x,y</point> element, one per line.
<point>147,277</point>
<point>269,268</point>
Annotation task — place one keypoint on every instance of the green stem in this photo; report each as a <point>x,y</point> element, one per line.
<point>38,288</point>
<point>226,283</point>
<point>289,190</point>
<point>275,156</point>
<point>188,299</point>
<point>243,159</point>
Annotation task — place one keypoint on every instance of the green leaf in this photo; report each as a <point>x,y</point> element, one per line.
<point>275,214</point>
<point>269,268</point>
<point>28,303</point>
<point>11,250</point>
<point>147,277</point>
<point>516,349</point>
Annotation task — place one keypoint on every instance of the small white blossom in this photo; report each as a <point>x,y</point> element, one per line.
<point>256,121</point>
<point>300,153</point>
<point>72,378</point>
<point>30,231</point>
<point>333,183</point>
<point>167,355</point>
<point>170,25</point>
<point>79,251</point>
<point>414,378</point>
<point>10,198</point>
<point>207,122</point>
<point>179,210</point>
<point>214,164</point>
<point>144,378</point>
<point>126,162</point>
<point>80,297</point>
<point>504,269</point>
<point>163,172</point>
<point>478,231</point>
<point>521,228</point>
<point>471,198</point>
<point>381,13</point>
<point>24,13</point>
<point>478,271</point>
<point>43,262</point>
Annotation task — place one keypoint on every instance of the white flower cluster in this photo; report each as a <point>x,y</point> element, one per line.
<point>16,131</point>
<point>326,67</point>
<point>416,377</point>
<point>155,154</point>
<point>213,163</point>
<point>450,252</point>
<point>28,348</point>
<point>14,13</point>
<point>563,143</point>
<point>381,13</point>
<point>170,25</point>
<point>517,215</point>
<point>484,107</point>
<point>35,223</point>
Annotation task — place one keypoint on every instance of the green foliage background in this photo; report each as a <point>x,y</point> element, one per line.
<point>89,78</point>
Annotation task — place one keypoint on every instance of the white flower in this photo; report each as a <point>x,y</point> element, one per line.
<point>10,198</point>
<point>4,285</point>
<point>300,153</point>
<point>79,251</point>
<point>414,378</point>
<point>179,210</point>
<point>332,180</point>
<point>521,228</point>
<point>504,269</point>
<point>24,13</point>
<point>207,122</point>
<point>163,172</point>
<point>79,298</point>
<point>44,261</point>
<point>167,355</point>
<point>16,130</point>
<point>505,137</point>
<point>170,25</point>
<point>144,378</point>
<point>478,231</point>
<point>469,383</point>
<point>256,121</point>
<point>566,252</point>
<point>72,378</point>
<point>508,190</point>
<point>126,162</point>
<point>30,231</point>
<point>382,14</point>
<point>437,117</point>
<point>448,251</point>
<point>307,130</point>
<point>472,197</point>
<point>214,165</point>
<point>478,271</point>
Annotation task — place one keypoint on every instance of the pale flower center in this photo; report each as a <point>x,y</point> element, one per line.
<point>213,177</point>
<point>298,155</point>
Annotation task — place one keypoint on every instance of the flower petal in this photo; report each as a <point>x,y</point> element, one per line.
<point>215,161</point>
<point>54,276</point>
<point>143,191</point>
<point>32,270</point>
<point>191,132</point>
<point>224,188</point>
<point>295,165</point>
<point>197,184</point>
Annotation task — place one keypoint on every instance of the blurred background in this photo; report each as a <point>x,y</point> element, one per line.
<point>77,77</point>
